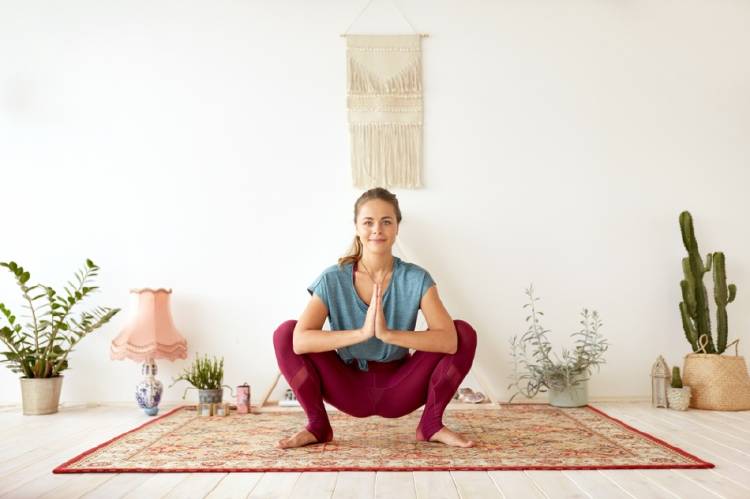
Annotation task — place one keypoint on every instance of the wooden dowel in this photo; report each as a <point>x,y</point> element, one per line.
<point>264,399</point>
<point>423,35</point>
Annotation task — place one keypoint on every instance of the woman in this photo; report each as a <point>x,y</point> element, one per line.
<point>362,366</point>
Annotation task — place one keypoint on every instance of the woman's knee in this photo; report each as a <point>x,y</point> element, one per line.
<point>467,337</point>
<point>283,336</point>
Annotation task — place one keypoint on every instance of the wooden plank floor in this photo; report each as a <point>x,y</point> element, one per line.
<point>31,446</point>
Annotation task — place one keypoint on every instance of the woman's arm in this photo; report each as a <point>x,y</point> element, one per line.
<point>441,333</point>
<point>308,334</point>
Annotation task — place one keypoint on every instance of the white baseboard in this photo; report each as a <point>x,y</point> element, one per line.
<point>169,404</point>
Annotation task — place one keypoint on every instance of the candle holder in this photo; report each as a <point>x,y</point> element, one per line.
<point>205,410</point>
<point>221,410</point>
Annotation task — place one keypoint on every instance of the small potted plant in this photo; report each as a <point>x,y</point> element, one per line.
<point>536,369</point>
<point>678,396</point>
<point>38,350</point>
<point>719,381</point>
<point>205,375</point>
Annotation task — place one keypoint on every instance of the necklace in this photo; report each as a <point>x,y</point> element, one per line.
<point>369,274</point>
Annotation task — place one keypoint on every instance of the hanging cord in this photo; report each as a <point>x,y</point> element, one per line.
<point>346,32</point>
<point>703,343</point>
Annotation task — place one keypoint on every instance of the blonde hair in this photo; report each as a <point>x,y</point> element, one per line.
<point>355,252</point>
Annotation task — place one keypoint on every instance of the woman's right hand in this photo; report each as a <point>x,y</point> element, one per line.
<point>368,329</point>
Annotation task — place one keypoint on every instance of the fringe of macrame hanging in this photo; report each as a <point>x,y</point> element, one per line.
<point>386,154</point>
<point>362,81</point>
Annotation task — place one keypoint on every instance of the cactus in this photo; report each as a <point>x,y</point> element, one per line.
<point>696,320</point>
<point>676,379</point>
<point>694,308</point>
<point>723,294</point>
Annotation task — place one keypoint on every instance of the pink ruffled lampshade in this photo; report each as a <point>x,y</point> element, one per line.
<point>150,334</point>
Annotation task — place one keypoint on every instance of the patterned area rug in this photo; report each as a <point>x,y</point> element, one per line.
<point>510,437</point>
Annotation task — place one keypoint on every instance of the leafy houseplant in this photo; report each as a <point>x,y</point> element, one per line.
<point>718,382</point>
<point>39,349</point>
<point>537,369</point>
<point>206,375</point>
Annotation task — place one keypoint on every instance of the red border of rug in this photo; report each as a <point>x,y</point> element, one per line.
<point>699,464</point>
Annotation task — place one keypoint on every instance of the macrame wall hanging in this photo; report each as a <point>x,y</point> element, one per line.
<point>384,100</point>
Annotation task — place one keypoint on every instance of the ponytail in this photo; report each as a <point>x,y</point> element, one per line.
<point>354,255</point>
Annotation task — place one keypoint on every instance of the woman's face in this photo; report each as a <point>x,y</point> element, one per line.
<point>377,226</point>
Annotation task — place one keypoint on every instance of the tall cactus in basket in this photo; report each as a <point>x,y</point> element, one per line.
<point>723,294</point>
<point>694,308</point>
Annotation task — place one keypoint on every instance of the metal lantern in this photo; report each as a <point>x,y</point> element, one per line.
<point>660,381</point>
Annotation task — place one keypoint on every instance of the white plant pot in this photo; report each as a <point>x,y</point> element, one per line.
<point>40,395</point>
<point>573,396</point>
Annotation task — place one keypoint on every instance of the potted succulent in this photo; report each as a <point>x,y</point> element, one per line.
<point>536,369</point>
<point>38,349</point>
<point>205,375</point>
<point>718,382</point>
<point>678,396</point>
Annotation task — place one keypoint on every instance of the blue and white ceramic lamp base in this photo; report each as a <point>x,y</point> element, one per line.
<point>148,391</point>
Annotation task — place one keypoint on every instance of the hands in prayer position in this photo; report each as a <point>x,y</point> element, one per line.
<point>375,324</point>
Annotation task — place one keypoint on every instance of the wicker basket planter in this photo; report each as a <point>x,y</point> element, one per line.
<point>718,382</point>
<point>678,398</point>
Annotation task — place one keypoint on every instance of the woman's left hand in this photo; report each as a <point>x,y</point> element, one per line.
<point>381,327</point>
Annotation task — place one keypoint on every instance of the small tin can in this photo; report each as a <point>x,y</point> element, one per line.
<point>243,399</point>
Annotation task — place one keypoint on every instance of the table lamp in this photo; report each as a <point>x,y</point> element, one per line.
<point>150,335</point>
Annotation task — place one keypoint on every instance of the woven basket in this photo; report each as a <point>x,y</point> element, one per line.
<point>718,382</point>
<point>679,398</point>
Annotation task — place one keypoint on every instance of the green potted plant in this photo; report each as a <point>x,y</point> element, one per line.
<point>565,377</point>
<point>678,395</point>
<point>38,349</point>
<point>206,375</point>
<point>718,382</point>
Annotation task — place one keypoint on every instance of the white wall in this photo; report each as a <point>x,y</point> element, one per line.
<point>203,146</point>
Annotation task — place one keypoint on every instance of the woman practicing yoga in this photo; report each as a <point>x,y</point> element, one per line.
<point>362,366</point>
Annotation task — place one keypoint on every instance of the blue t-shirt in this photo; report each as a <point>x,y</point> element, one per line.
<point>346,310</point>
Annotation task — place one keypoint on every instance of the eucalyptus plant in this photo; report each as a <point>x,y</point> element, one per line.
<point>536,368</point>
<point>39,347</point>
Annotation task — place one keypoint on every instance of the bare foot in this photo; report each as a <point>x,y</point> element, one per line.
<point>303,437</point>
<point>450,437</point>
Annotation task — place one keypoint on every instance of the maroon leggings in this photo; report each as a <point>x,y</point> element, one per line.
<point>388,389</point>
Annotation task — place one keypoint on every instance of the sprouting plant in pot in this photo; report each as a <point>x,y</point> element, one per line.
<point>718,382</point>
<point>537,369</point>
<point>678,396</point>
<point>38,349</point>
<point>206,375</point>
